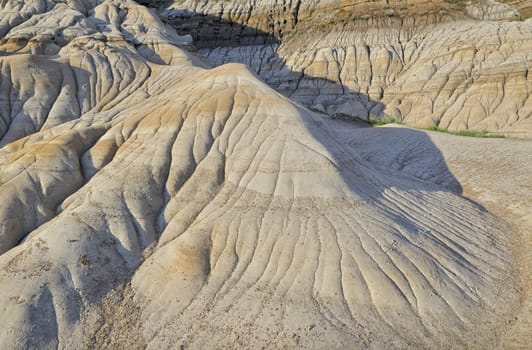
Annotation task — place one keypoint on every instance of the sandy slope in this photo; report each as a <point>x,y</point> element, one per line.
<point>492,172</point>
<point>148,201</point>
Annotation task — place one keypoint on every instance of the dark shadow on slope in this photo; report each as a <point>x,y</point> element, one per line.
<point>397,150</point>
<point>222,41</point>
<point>426,168</point>
<point>422,171</point>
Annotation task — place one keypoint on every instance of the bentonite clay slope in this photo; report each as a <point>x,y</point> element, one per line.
<point>504,189</point>
<point>440,63</point>
<point>150,202</point>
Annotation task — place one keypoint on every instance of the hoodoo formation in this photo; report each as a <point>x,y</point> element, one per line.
<point>164,185</point>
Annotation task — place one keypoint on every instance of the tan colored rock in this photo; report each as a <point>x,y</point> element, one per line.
<point>436,63</point>
<point>149,201</point>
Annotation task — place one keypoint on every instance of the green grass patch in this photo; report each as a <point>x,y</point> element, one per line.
<point>386,119</point>
<point>473,133</point>
<point>467,133</point>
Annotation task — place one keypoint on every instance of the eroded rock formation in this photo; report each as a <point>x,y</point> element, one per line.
<point>149,201</point>
<point>457,65</point>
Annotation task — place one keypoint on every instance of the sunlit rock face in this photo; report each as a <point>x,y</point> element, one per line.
<point>455,65</point>
<point>149,200</point>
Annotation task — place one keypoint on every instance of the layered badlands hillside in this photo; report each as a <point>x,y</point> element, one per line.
<point>458,65</point>
<point>151,201</point>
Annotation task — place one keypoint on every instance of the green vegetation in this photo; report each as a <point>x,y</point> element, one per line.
<point>387,119</point>
<point>436,128</point>
<point>473,133</point>
<point>468,133</point>
<point>372,120</point>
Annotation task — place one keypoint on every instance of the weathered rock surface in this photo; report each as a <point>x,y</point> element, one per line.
<point>435,63</point>
<point>151,202</point>
<point>492,172</point>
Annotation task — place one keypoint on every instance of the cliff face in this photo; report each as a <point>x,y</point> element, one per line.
<point>456,65</point>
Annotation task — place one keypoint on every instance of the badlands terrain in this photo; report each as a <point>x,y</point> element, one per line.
<point>164,185</point>
<point>455,64</point>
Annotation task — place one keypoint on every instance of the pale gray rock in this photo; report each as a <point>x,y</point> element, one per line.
<point>151,201</point>
<point>435,64</point>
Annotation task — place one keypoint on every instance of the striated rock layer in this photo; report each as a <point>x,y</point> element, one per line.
<point>151,202</point>
<point>456,65</point>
